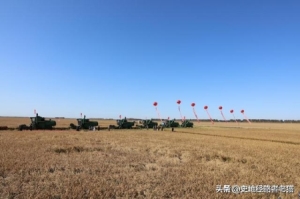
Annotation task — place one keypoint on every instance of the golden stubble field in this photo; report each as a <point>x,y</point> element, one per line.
<point>187,163</point>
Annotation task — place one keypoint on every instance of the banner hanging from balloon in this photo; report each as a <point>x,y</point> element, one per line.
<point>205,108</point>
<point>220,108</point>
<point>179,102</point>
<point>155,105</point>
<point>243,112</point>
<point>193,106</point>
<point>231,111</point>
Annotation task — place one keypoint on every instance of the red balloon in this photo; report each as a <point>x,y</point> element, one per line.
<point>178,101</point>
<point>220,107</point>
<point>193,104</point>
<point>205,107</point>
<point>155,104</point>
<point>231,111</point>
<point>242,111</point>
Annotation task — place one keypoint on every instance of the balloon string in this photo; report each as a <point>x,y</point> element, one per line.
<point>223,116</point>
<point>210,117</point>
<point>158,113</point>
<point>246,118</point>
<point>195,114</point>
<point>234,118</point>
<point>180,113</point>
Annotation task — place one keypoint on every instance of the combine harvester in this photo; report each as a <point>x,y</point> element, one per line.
<point>187,124</point>
<point>38,123</point>
<point>148,124</point>
<point>174,124</point>
<point>122,124</point>
<point>84,123</point>
<point>170,124</point>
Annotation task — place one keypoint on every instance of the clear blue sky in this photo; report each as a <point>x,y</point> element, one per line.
<point>106,58</point>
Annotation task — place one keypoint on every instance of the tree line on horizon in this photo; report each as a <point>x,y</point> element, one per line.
<point>194,120</point>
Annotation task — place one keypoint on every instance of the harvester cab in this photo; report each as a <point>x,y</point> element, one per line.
<point>84,123</point>
<point>38,122</point>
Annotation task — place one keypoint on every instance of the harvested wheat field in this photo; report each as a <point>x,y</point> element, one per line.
<point>187,163</point>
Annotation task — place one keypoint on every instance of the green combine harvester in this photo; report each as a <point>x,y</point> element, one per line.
<point>148,124</point>
<point>171,123</point>
<point>37,123</point>
<point>122,124</point>
<point>84,123</point>
<point>187,124</point>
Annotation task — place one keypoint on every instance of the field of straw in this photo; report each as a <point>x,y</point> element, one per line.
<point>187,163</point>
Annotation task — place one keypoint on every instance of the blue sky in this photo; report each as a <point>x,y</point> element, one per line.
<point>106,58</point>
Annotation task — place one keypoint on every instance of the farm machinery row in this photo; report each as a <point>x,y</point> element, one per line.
<point>173,123</point>
<point>166,124</point>
<point>125,124</point>
<point>41,123</point>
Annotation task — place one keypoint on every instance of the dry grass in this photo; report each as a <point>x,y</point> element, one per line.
<point>188,163</point>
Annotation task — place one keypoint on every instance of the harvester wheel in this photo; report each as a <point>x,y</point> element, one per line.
<point>72,126</point>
